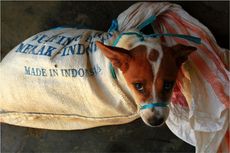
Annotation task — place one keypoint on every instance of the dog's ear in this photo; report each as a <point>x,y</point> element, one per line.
<point>181,52</point>
<point>119,57</point>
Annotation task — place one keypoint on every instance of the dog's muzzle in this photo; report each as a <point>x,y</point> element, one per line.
<point>154,114</point>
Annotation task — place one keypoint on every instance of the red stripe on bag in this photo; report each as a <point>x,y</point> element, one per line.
<point>181,23</point>
<point>211,78</point>
<point>178,97</point>
<point>203,68</point>
<point>220,149</point>
<point>183,102</point>
<point>175,18</point>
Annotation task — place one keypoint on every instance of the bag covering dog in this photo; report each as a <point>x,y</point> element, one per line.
<point>58,79</point>
<point>199,112</point>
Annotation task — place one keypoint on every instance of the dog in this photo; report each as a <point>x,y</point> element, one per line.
<point>150,69</point>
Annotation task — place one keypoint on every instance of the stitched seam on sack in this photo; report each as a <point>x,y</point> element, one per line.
<point>8,114</point>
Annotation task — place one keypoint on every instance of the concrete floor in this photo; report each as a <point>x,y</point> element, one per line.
<point>19,20</point>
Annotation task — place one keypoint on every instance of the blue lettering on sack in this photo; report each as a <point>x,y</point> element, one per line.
<point>30,49</point>
<point>35,71</point>
<point>78,49</point>
<point>60,40</point>
<point>23,48</point>
<point>92,47</point>
<point>68,50</point>
<point>80,72</point>
<point>41,39</point>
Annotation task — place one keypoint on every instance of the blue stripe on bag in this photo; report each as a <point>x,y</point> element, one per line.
<point>141,36</point>
<point>187,37</point>
<point>114,26</point>
<point>146,22</point>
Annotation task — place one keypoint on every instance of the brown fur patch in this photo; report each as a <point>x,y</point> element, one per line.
<point>153,55</point>
<point>167,72</point>
<point>140,71</point>
<point>173,58</point>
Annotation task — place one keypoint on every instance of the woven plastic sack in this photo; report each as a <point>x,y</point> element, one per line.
<point>199,112</point>
<point>58,79</point>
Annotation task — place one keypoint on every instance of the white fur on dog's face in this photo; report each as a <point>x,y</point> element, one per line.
<point>155,116</point>
<point>150,70</point>
<point>154,54</point>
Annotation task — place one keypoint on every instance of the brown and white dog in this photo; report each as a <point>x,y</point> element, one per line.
<point>150,70</point>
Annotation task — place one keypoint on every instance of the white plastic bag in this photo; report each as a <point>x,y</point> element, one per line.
<point>200,104</point>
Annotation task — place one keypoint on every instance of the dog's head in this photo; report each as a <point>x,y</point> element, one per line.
<point>150,70</point>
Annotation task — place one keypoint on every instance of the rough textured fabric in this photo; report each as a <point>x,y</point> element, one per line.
<point>200,103</point>
<point>58,79</point>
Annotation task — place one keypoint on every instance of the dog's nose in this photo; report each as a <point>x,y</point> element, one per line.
<point>156,121</point>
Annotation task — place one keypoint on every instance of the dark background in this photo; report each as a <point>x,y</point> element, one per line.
<point>19,20</point>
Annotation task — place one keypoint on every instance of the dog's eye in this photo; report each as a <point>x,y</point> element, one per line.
<point>139,87</point>
<point>168,85</point>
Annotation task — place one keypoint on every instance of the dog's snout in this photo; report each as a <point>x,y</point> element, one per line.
<point>156,121</point>
<point>155,116</point>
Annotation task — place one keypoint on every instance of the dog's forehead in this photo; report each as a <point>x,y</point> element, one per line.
<point>152,47</point>
<point>131,41</point>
